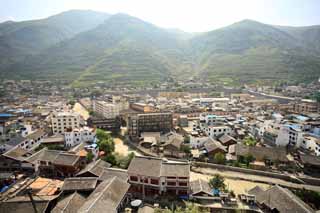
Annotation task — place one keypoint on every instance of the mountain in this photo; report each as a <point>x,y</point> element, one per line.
<point>250,50</point>
<point>19,39</point>
<point>122,49</point>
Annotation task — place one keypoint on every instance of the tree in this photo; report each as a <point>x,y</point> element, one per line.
<point>249,141</point>
<point>186,139</point>
<point>101,134</point>
<point>111,158</point>
<point>217,182</point>
<point>316,96</point>
<point>89,156</point>
<point>185,148</point>
<point>219,158</point>
<point>106,145</point>
<point>124,162</point>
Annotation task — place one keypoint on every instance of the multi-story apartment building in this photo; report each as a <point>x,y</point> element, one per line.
<point>217,130</point>
<point>149,122</point>
<point>150,176</point>
<point>106,109</point>
<point>77,136</point>
<point>291,135</point>
<point>63,121</point>
<point>305,107</point>
<point>311,143</point>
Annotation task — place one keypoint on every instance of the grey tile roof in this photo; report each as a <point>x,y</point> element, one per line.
<point>212,145</point>
<point>262,152</point>
<point>226,138</point>
<point>147,166</point>
<point>35,135</point>
<point>106,197</point>
<point>199,186</point>
<point>80,184</point>
<point>310,159</point>
<point>69,204</point>
<point>66,159</point>
<point>282,199</point>
<point>16,153</point>
<point>114,172</point>
<point>175,169</point>
<point>156,167</point>
<point>96,168</point>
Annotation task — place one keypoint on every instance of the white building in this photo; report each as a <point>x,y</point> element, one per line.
<point>210,119</point>
<point>63,121</point>
<point>77,136</point>
<point>311,143</point>
<point>107,109</point>
<point>291,135</point>
<point>197,141</point>
<point>214,131</point>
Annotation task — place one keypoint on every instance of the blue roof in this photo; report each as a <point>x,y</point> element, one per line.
<point>5,115</point>
<point>301,117</point>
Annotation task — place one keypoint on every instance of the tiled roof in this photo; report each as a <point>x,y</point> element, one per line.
<point>156,167</point>
<point>69,204</point>
<point>80,184</point>
<point>106,197</point>
<point>282,199</point>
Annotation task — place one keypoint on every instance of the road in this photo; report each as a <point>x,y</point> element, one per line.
<point>254,178</point>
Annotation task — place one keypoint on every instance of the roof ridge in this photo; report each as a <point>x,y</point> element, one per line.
<point>101,194</point>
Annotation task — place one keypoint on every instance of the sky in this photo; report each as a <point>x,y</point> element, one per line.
<point>187,15</point>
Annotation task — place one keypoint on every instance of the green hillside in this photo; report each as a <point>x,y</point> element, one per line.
<point>84,47</point>
<point>20,39</point>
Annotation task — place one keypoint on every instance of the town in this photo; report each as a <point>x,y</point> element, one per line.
<point>173,147</point>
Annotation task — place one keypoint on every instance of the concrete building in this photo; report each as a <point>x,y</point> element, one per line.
<point>106,109</point>
<point>311,143</point>
<point>77,136</point>
<point>63,121</point>
<point>217,130</point>
<point>150,176</point>
<point>149,122</point>
<point>291,135</point>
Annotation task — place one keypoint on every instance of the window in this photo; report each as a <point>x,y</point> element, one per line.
<point>133,178</point>
<point>183,184</point>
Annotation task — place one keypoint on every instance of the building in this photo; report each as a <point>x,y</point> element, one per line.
<point>106,109</point>
<point>305,107</point>
<point>109,196</point>
<point>217,130</point>
<point>109,124</point>
<point>63,121</point>
<point>279,199</point>
<point>141,107</point>
<point>311,143</point>
<point>290,134</point>
<point>54,163</point>
<point>77,136</point>
<point>150,176</point>
<point>149,122</point>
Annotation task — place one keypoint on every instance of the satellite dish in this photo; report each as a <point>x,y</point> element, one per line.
<point>136,203</point>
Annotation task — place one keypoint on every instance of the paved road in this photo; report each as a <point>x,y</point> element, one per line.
<point>255,178</point>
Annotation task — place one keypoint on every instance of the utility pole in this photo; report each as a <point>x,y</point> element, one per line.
<point>32,201</point>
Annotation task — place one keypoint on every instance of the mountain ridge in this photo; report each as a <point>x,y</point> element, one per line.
<point>122,48</point>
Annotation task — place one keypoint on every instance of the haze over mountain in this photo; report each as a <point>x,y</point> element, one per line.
<point>84,47</point>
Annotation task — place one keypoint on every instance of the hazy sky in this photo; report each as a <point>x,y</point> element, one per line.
<point>188,15</point>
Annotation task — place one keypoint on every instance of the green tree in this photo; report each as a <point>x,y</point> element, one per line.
<point>185,148</point>
<point>249,141</point>
<point>316,96</point>
<point>219,158</point>
<point>106,145</point>
<point>89,156</point>
<point>186,139</point>
<point>217,182</point>
<point>111,158</point>
<point>124,162</point>
<point>101,134</point>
